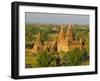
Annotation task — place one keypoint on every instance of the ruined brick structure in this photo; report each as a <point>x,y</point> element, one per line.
<point>64,42</point>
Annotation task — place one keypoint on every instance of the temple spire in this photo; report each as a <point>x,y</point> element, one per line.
<point>38,37</point>
<point>69,34</point>
<point>61,34</point>
<point>38,43</point>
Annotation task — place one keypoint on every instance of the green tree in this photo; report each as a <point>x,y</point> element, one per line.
<point>73,57</point>
<point>44,59</point>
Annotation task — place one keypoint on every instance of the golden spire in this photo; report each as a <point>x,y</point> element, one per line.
<point>69,29</point>
<point>69,33</point>
<point>38,37</point>
<point>38,43</point>
<point>61,34</point>
<point>61,30</point>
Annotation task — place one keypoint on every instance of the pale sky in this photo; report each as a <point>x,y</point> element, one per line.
<point>47,18</point>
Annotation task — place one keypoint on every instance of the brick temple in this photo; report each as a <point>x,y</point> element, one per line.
<point>64,42</point>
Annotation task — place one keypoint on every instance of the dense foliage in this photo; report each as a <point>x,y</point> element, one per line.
<point>72,58</point>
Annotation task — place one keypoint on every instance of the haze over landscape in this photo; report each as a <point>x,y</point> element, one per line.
<point>49,18</point>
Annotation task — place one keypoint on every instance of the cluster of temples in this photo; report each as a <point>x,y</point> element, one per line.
<point>63,42</point>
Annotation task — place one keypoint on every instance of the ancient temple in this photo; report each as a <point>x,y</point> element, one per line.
<point>64,42</point>
<point>73,42</point>
<point>38,45</point>
<point>69,34</point>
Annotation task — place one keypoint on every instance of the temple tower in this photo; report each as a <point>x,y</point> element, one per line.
<point>61,44</point>
<point>38,46</point>
<point>69,33</point>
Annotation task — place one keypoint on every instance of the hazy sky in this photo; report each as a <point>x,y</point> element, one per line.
<point>47,18</point>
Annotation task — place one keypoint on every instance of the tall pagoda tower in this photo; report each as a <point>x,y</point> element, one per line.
<point>38,46</point>
<point>61,43</point>
<point>69,34</point>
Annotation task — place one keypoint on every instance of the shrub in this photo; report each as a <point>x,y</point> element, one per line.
<point>73,58</point>
<point>44,59</point>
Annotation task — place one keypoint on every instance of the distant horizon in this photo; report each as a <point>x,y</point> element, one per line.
<point>54,24</point>
<point>50,18</point>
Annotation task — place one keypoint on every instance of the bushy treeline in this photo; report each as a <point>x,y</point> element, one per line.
<point>51,59</point>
